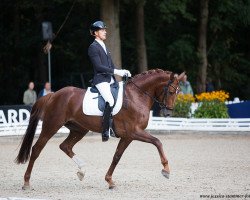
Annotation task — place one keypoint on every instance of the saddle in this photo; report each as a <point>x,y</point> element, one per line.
<point>101,102</point>
<point>93,103</point>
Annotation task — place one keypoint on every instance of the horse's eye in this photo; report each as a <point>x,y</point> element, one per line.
<point>171,93</point>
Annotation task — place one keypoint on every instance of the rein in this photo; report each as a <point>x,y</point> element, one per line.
<point>161,103</point>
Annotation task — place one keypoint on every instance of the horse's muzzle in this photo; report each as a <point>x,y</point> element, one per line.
<point>167,112</point>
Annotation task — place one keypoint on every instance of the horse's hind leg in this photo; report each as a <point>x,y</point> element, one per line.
<point>44,137</point>
<point>36,150</point>
<point>67,145</point>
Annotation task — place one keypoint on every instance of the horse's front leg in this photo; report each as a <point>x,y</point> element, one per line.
<point>144,136</point>
<point>123,144</point>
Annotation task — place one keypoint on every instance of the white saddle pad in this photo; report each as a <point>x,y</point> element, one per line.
<point>90,102</point>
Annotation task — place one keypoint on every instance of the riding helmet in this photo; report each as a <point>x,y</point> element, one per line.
<point>97,26</point>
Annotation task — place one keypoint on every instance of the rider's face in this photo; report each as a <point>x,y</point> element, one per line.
<point>101,34</point>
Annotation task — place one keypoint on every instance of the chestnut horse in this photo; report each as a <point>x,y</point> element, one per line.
<point>64,108</point>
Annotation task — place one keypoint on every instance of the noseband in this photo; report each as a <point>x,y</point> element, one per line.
<point>165,92</point>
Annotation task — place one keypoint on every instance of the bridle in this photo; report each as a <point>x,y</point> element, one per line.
<point>165,92</point>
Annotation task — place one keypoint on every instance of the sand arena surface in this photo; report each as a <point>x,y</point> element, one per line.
<point>200,164</point>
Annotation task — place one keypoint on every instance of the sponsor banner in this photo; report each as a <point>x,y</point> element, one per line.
<point>14,114</point>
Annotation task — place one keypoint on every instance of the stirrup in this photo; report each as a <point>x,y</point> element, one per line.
<point>111,132</point>
<point>105,137</point>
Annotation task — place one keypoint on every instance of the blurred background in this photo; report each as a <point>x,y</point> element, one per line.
<point>207,39</point>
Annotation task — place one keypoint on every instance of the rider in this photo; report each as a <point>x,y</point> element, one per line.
<point>104,71</point>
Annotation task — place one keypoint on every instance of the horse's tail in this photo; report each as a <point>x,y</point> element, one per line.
<point>35,115</point>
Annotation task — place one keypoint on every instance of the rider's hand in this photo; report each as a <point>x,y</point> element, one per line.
<point>128,74</point>
<point>122,72</point>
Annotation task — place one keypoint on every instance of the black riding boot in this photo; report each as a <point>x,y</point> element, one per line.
<point>106,122</point>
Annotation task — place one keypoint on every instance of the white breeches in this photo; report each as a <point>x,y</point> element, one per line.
<point>104,89</point>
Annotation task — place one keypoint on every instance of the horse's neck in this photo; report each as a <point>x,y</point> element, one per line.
<point>152,82</point>
<point>148,84</point>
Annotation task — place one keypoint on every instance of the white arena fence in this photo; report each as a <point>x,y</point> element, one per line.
<point>194,124</point>
<point>20,128</point>
<point>155,124</point>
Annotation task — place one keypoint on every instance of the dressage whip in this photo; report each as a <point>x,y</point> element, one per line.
<point>48,46</point>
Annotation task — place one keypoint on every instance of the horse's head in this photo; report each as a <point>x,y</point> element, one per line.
<point>169,93</point>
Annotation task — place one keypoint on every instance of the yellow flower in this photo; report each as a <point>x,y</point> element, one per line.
<point>211,96</point>
<point>185,98</point>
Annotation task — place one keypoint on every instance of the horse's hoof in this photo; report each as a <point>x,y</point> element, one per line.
<point>80,175</point>
<point>112,186</point>
<point>26,187</point>
<point>165,173</point>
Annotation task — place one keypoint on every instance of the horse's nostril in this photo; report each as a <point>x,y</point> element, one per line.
<point>168,113</point>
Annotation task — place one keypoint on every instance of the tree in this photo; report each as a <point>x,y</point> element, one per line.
<point>228,31</point>
<point>171,35</point>
<point>202,46</point>
<point>110,15</point>
<point>171,38</point>
<point>141,49</point>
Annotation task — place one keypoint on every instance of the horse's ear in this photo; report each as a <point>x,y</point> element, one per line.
<point>172,76</point>
<point>180,77</point>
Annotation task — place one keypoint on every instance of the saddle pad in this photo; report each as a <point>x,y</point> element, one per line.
<point>90,102</point>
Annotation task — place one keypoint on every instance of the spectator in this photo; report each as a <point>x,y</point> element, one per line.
<point>29,96</point>
<point>45,91</point>
<point>186,87</point>
<point>209,85</point>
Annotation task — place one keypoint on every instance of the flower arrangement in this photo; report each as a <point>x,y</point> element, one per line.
<point>183,105</point>
<point>211,96</point>
<point>212,105</point>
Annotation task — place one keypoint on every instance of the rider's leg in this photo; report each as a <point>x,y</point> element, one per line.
<point>104,89</point>
<point>106,122</point>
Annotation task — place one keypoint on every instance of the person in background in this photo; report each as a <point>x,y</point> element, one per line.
<point>209,85</point>
<point>185,86</point>
<point>45,91</point>
<point>29,96</point>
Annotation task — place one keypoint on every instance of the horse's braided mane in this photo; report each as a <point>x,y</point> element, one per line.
<point>149,72</point>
